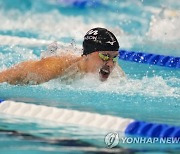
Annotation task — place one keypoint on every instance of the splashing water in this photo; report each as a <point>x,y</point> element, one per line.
<point>149,93</point>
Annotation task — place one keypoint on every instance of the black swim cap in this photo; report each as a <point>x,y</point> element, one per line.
<point>99,39</point>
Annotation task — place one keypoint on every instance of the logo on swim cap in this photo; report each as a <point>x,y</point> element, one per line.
<point>90,38</point>
<point>111,42</point>
<point>99,39</point>
<point>94,32</point>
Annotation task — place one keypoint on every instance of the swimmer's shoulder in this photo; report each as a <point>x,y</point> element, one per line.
<point>57,63</point>
<point>62,58</point>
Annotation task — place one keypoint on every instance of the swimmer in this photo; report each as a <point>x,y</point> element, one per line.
<point>100,54</point>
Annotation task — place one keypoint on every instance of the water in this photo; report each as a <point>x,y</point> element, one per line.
<point>150,93</point>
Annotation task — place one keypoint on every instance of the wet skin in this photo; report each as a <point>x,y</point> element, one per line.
<point>97,65</point>
<point>36,72</point>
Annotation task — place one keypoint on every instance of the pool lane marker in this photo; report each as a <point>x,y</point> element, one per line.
<point>59,115</point>
<point>149,58</point>
<point>106,122</point>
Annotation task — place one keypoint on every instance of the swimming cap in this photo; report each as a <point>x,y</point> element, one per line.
<point>99,39</point>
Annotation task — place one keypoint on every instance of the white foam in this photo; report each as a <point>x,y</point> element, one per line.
<point>42,23</point>
<point>165,25</point>
<point>155,86</point>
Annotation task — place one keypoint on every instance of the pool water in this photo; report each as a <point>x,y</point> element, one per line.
<point>150,93</point>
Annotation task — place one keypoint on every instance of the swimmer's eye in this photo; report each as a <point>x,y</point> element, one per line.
<point>106,57</point>
<point>115,58</point>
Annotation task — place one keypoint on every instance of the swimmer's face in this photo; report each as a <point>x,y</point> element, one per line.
<point>102,62</point>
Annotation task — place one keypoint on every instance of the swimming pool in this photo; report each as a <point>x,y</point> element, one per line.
<point>151,92</point>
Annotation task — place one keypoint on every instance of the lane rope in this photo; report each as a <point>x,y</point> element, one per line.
<point>149,58</point>
<point>106,122</point>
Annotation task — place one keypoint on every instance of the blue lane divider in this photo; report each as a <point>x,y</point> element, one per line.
<point>152,130</point>
<point>148,58</point>
<point>81,3</point>
<point>85,3</point>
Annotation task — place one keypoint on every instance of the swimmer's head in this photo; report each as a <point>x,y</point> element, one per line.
<point>100,47</point>
<point>99,39</point>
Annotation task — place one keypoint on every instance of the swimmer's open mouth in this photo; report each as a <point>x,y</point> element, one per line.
<point>104,72</point>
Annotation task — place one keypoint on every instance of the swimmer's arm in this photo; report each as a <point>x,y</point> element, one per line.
<point>13,75</point>
<point>35,71</point>
<point>32,72</point>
